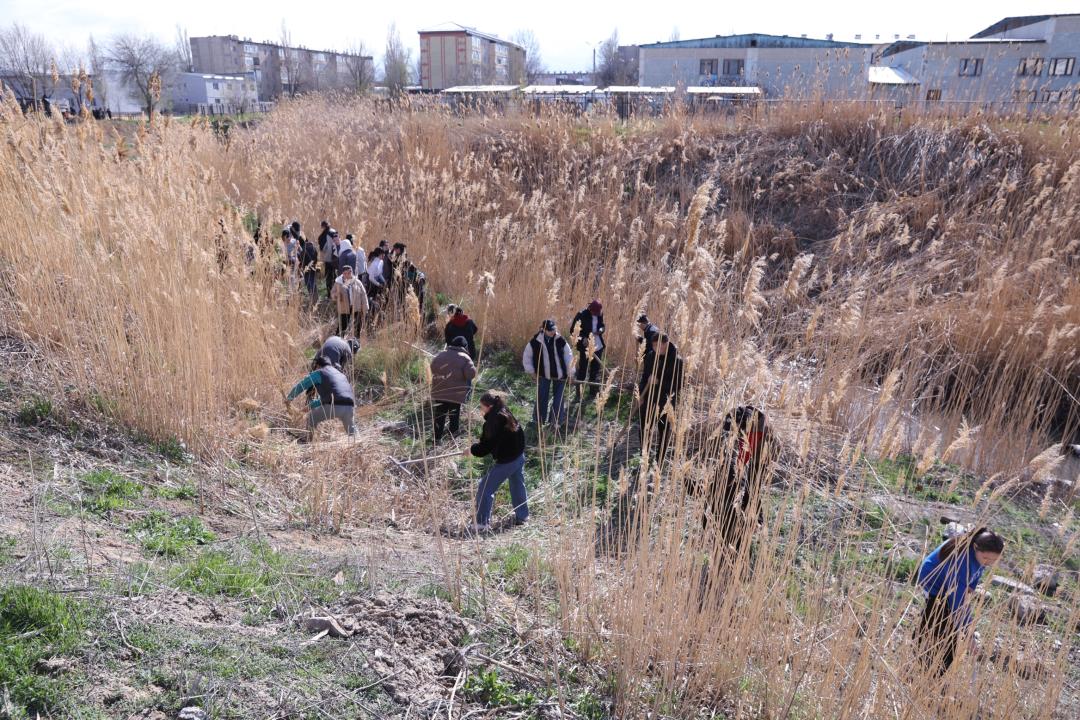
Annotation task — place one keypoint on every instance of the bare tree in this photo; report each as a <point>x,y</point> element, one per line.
<point>290,60</point>
<point>71,68</point>
<point>26,59</point>
<point>397,70</point>
<point>359,66</point>
<point>183,50</point>
<point>96,57</point>
<point>534,62</point>
<point>616,67</point>
<point>144,64</point>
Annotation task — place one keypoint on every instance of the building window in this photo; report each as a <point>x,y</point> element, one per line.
<point>970,67</point>
<point>1030,66</point>
<point>933,95</point>
<point>1061,66</point>
<point>707,67</point>
<point>216,86</point>
<point>733,67</point>
<point>1024,96</point>
<point>1055,96</point>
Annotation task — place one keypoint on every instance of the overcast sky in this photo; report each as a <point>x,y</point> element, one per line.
<point>565,30</point>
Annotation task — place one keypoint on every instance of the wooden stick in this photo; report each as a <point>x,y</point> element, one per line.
<point>425,459</point>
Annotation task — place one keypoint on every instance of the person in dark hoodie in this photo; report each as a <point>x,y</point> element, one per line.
<point>309,259</point>
<point>589,323</point>
<point>334,398</point>
<point>328,255</point>
<point>649,333</point>
<point>946,576</point>
<point>347,256</point>
<point>504,439</point>
<point>659,390</point>
<point>337,351</point>
<point>458,324</point>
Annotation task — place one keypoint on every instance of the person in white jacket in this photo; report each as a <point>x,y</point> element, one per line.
<point>548,358</point>
<point>352,301</point>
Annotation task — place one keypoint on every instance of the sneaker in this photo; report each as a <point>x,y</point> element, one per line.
<point>518,523</point>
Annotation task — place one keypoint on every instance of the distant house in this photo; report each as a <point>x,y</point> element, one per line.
<point>213,94</point>
<point>453,55</point>
<point>1015,63</point>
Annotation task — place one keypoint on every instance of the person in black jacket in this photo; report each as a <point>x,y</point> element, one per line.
<point>458,324</point>
<point>309,259</point>
<point>659,391</point>
<point>504,439</point>
<point>649,333</point>
<point>334,398</point>
<point>589,324</point>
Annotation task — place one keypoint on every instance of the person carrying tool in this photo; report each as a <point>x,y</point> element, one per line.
<point>658,394</point>
<point>334,398</point>
<point>590,325</point>
<point>504,439</point>
<point>452,372</point>
<point>946,576</point>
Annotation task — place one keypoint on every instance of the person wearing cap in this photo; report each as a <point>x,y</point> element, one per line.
<point>352,301</point>
<point>649,333</point>
<point>547,358</point>
<point>328,255</point>
<point>589,324</point>
<point>333,399</point>
<point>452,373</point>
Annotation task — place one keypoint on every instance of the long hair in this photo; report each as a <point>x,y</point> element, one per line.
<point>981,538</point>
<point>498,406</point>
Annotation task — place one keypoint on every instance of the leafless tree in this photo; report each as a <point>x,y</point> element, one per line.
<point>96,56</point>
<point>397,69</point>
<point>359,66</point>
<point>144,64</point>
<point>615,67</point>
<point>183,50</point>
<point>27,61</point>
<point>534,62</point>
<point>290,61</point>
<point>71,68</point>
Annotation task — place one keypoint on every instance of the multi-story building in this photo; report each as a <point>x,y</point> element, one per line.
<point>452,54</point>
<point>213,94</point>
<point>780,65</point>
<point>278,70</point>
<point>1013,63</point>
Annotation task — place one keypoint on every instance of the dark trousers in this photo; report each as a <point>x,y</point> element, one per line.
<point>937,636</point>
<point>442,411</point>
<point>310,279</point>
<point>588,369</point>
<point>654,419</point>
<point>330,270</point>
<point>345,320</point>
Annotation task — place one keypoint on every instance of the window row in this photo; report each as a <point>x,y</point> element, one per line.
<point>731,66</point>
<point>1028,67</point>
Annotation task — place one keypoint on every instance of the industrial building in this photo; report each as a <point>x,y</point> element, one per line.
<point>452,55</point>
<point>213,94</point>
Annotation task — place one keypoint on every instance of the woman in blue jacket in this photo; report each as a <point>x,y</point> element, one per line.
<point>946,576</point>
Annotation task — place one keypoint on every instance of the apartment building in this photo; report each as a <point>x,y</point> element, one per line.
<point>278,70</point>
<point>453,55</point>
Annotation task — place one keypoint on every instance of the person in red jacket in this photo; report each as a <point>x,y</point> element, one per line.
<point>458,324</point>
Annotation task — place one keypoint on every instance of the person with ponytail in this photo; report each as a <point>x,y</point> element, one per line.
<point>946,576</point>
<point>504,439</point>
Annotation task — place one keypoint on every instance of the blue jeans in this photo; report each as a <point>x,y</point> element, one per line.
<point>554,388</point>
<point>493,480</point>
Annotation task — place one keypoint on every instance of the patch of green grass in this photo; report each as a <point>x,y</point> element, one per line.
<point>491,690</point>
<point>106,492</point>
<point>161,535</point>
<point>34,411</point>
<point>7,546</point>
<point>172,449</point>
<point>589,707</point>
<point>901,474</point>
<point>184,491</point>
<point>35,625</point>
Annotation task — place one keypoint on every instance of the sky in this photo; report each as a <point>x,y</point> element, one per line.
<point>565,30</point>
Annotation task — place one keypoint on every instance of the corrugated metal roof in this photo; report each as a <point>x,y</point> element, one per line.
<point>732,90</point>
<point>559,89</point>
<point>482,89</point>
<point>639,89</point>
<point>883,75</point>
<point>757,40</point>
<point>1015,23</point>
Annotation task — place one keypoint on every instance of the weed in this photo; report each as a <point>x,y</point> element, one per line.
<point>488,688</point>
<point>7,546</point>
<point>159,534</point>
<point>34,411</point>
<point>184,491</point>
<point>106,492</point>
<point>172,449</point>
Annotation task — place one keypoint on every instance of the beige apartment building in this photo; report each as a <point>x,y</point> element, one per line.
<point>452,54</point>
<point>279,70</point>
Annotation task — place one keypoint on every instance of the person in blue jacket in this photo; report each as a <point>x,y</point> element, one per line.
<point>333,399</point>
<point>946,576</point>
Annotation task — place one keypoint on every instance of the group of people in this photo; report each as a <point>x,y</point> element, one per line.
<point>733,487</point>
<point>360,287</point>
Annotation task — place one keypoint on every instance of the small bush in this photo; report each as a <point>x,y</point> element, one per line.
<point>488,688</point>
<point>171,449</point>
<point>185,491</point>
<point>35,625</point>
<point>107,492</point>
<point>35,411</point>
